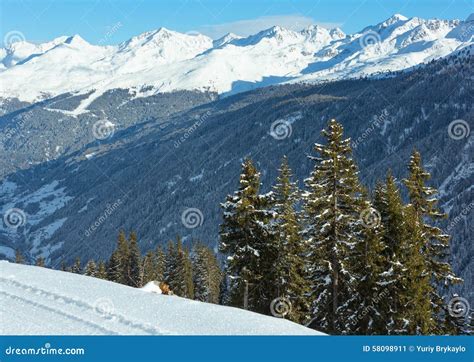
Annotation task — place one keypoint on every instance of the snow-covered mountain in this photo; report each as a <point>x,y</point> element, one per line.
<point>167,60</point>
<point>53,302</point>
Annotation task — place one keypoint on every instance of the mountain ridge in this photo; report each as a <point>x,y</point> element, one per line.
<point>167,60</point>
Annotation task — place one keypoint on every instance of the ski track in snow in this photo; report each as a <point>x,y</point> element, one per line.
<point>69,308</point>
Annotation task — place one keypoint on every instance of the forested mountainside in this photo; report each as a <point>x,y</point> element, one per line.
<point>151,159</point>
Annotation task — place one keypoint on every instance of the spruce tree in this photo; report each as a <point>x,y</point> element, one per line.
<point>160,264</point>
<point>101,271</point>
<point>366,309</point>
<point>149,267</point>
<point>244,235</point>
<point>114,272</point>
<point>224,291</point>
<point>207,275</point>
<point>134,262</point>
<point>90,268</point>
<point>123,258</point>
<point>286,274</point>
<point>178,271</point>
<point>416,309</point>
<point>435,243</point>
<point>188,275</point>
<point>333,205</point>
<point>398,249</point>
<point>170,266</point>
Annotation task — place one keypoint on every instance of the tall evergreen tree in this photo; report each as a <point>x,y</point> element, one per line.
<point>333,205</point>
<point>398,249</point>
<point>149,267</point>
<point>435,243</point>
<point>416,309</point>
<point>178,271</point>
<point>207,275</point>
<point>170,266</point>
<point>160,264</point>
<point>286,274</point>
<point>244,234</point>
<point>224,291</point>
<point>179,276</point>
<point>114,272</point>
<point>123,258</point>
<point>366,309</point>
<point>188,275</point>
<point>134,262</point>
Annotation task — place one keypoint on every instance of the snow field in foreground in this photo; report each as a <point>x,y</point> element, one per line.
<point>37,300</point>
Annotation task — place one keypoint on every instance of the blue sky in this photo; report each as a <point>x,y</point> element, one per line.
<point>110,22</point>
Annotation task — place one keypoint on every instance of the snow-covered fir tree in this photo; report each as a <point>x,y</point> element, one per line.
<point>435,243</point>
<point>149,267</point>
<point>114,273</point>
<point>365,306</point>
<point>188,274</point>
<point>243,238</point>
<point>134,262</point>
<point>160,264</point>
<point>178,272</point>
<point>398,247</point>
<point>333,204</point>
<point>207,275</point>
<point>170,265</point>
<point>123,258</point>
<point>286,273</point>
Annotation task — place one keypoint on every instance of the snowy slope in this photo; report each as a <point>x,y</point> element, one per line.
<point>168,60</point>
<point>37,300</point>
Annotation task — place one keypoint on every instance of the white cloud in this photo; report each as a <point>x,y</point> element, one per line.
<point>252,26</point>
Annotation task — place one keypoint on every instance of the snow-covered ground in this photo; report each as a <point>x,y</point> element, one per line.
<point>37,300</point>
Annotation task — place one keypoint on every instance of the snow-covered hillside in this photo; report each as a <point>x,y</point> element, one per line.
<point>168,60</point>
<point>37,300</point>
